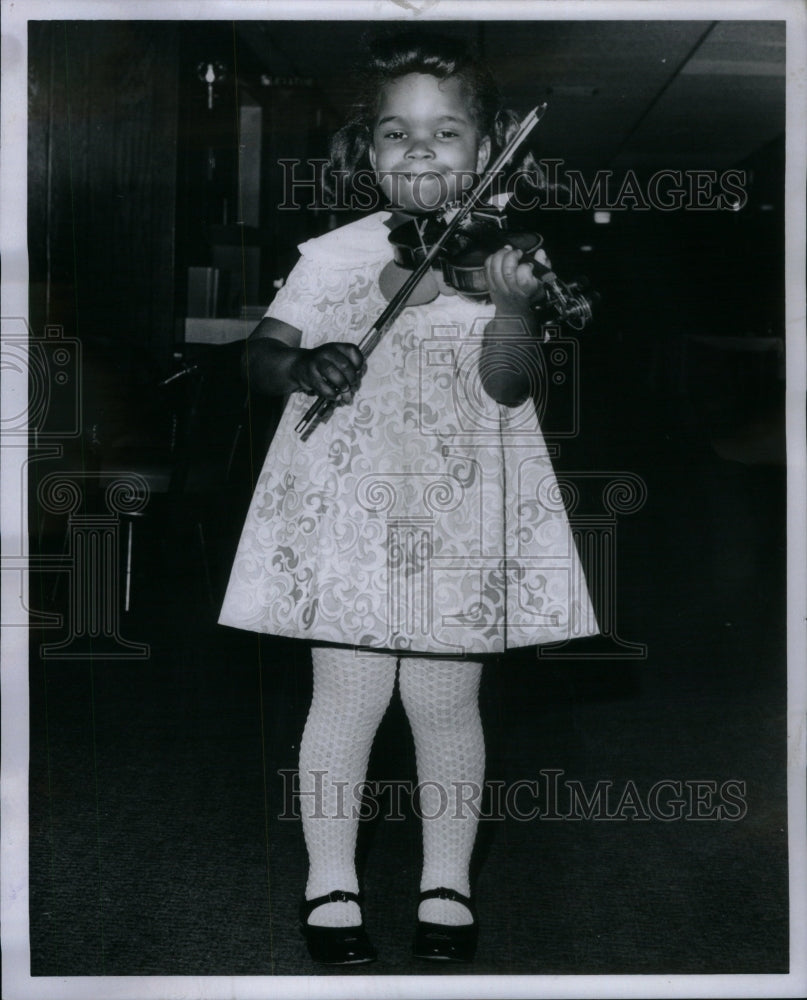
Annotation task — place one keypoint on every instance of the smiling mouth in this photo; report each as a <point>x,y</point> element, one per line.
<point>426,190</point>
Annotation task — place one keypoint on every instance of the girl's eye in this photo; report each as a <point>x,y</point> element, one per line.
<point>446,133</point>
<point>394,135</point>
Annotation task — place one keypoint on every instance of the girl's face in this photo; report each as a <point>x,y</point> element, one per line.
<point>425,147</point>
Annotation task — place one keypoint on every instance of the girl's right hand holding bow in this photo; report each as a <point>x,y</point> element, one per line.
<point>332,371</point>
<point>274,364</point>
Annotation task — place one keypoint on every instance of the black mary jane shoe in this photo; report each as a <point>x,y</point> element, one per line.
<point>335,945</point>
<point>446,942</point>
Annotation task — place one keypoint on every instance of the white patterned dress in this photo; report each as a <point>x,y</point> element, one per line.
<point>423,516</point>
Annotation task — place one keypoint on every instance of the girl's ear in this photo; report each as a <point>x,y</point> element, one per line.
<point>371,154</point>
<point>483,154</point>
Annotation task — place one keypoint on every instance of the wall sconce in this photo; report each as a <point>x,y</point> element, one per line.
<point>211,73</point>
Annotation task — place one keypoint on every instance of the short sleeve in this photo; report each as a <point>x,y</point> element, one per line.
<point>328,290</point>
<point>294,302</point>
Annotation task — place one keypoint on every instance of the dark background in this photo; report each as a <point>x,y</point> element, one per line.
<point>155,844</point>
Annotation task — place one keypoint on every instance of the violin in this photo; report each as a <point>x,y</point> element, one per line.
<point>462,258</point>
<point>429,254</point>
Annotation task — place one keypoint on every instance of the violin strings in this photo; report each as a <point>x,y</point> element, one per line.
<point>420,231</point>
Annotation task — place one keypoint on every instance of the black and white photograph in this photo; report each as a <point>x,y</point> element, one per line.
<point>403,499</point>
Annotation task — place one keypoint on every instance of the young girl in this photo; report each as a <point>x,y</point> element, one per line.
<point>419,528</point>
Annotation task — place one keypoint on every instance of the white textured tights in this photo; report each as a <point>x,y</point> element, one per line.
<point>441,698</point>
<point>351,693</point>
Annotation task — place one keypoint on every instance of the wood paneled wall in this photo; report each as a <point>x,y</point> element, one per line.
<point>103,113</point>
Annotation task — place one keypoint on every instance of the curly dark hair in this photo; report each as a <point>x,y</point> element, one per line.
<point>398,53</point>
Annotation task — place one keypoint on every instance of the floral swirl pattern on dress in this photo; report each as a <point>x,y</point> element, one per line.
<point>414,518</point>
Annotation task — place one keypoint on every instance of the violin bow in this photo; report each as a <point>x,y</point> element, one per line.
<point>322,407</point>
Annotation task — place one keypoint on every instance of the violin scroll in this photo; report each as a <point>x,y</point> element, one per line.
<point>571,302</point>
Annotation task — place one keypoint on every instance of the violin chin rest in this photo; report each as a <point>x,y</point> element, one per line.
<point>392,278</point>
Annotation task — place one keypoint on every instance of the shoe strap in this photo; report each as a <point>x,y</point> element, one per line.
<point>444,893</point>
<point>308,906</point>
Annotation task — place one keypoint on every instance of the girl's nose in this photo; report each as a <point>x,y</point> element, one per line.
<point>420,149</point>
